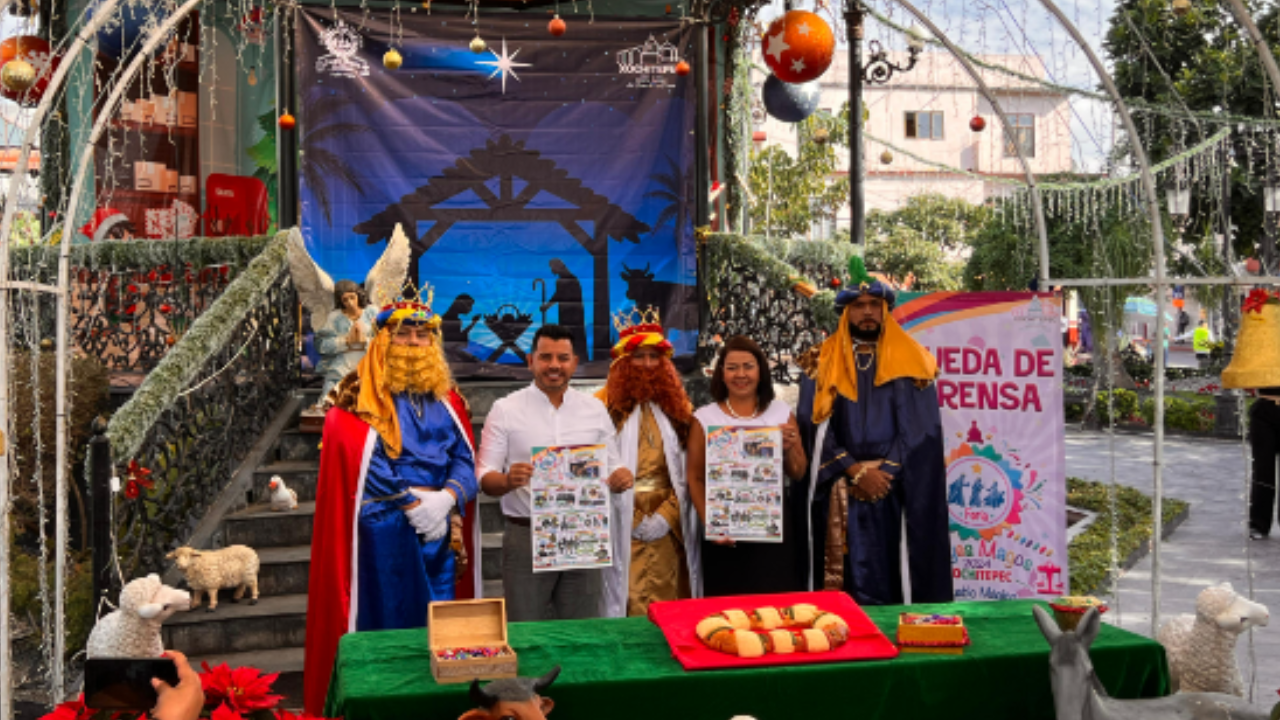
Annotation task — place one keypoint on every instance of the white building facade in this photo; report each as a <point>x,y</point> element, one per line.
<point>927,112</point>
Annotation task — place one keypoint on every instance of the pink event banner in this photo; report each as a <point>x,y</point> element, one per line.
<point>1000,390</point>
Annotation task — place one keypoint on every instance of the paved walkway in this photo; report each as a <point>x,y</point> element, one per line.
<point>1210,547</point>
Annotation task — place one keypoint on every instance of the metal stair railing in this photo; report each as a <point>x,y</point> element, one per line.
<point>192,421</point>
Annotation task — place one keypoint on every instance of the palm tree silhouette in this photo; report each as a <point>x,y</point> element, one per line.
<point>320,165</point>
<point>674,187</point>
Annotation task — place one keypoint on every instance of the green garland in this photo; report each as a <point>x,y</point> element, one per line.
<point>126,254</point>
<point>208,335</point>
<point>1209,145</point>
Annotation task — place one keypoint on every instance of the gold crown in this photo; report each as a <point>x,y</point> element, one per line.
<point>633,320</point>
<point>409,293</point>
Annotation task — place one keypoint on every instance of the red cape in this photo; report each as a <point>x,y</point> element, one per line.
<point>331,583</point>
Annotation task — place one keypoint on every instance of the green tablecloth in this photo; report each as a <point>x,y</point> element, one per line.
<point>622,669</point>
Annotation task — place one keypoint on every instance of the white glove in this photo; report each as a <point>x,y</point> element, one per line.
<point>431,516</point>
<point>651,528</point>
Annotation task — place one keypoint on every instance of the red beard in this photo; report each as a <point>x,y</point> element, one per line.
<point>630,385</point>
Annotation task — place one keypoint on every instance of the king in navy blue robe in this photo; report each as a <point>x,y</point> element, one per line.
<point>900,423</point>
<point>876,405</point>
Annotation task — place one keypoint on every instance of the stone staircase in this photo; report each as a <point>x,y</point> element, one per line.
<point>270,635</point>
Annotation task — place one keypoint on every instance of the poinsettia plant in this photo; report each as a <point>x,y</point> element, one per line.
<point>242,693</point>
<point>139,479</point>
<point>1258,297</point>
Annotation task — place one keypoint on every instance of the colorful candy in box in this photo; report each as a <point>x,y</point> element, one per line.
<point>937,634</point>
<point>468,640</point>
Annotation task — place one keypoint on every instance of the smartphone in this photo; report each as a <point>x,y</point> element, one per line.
<point>125,683</point>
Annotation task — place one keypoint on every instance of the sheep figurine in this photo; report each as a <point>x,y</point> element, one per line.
<point>208,570</point>
<point>1202,647</point>
<point>283,499</point>
<point>133,631</point>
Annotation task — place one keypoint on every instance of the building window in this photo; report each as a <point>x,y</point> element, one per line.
<point>924,125</point>
<point>1024,129</point>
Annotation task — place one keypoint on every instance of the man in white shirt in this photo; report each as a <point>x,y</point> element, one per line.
<point>547,413</point>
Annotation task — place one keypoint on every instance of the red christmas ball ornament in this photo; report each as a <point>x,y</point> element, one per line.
<point>798,46</point>
<point>1252,266</point>
<point>682,68</point>
<point>835,283</point>
<point>27,86</point>
<point>287,121</point>
<point>557,26</point>
<point>977,124</point>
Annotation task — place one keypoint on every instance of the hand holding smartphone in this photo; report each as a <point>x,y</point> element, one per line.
<point>125,683</point>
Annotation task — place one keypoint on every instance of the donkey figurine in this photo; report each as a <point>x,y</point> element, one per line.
<point>1079,695</point>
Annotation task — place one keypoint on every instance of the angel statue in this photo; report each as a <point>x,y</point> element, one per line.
<point>345,306</point>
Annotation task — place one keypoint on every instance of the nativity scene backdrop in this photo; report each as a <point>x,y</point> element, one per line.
<point>538,180</point>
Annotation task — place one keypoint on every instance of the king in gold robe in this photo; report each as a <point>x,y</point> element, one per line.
<point>655,535</point>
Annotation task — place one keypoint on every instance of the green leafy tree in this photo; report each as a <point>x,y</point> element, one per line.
<point>912,260</point>
<point>1108,243</point>
<point>263,153</point>
<point>1200,62</point>
<point>920,244</point>
<point>788,195</point>
<point>948,222</point>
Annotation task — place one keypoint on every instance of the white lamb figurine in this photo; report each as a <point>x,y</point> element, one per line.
<point>282,498</point>
<point>208,570</point>
<point>1202,647</point>
<point>133,631</point>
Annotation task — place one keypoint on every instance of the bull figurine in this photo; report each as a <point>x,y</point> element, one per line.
<point>512,698</point>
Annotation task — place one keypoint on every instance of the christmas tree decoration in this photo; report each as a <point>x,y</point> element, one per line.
<point>557,26</point>
<point>798,46</point>
<point>790,102</point>
<point>1181,7</point>
<point>886,157</point>
<point>17,76</point>
<point>977,124</point>
<point>287,121</point>
<point>821,136</point>
<point>682,68</point>
<point>392,60</point>
<point>253,76</point>
<point>36,55</point>
<point>478,45</point>
<point>835,283</point>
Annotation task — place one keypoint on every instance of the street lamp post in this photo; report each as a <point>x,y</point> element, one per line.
<point>1271,207</point>
<point>877,71</point>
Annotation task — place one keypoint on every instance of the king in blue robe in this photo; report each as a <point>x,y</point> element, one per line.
<point>400,572</point>
<point>871,425</point>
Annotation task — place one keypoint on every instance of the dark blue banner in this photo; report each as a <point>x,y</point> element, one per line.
<point>543,180</point>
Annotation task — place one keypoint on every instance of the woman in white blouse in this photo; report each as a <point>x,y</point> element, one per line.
<point>744,396</point>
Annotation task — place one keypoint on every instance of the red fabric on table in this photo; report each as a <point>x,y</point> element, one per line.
<point>678,618</point>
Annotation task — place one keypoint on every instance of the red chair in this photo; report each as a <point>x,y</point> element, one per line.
<point>235,205</point>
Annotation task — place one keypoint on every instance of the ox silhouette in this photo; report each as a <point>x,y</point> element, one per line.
<point>677,302</point>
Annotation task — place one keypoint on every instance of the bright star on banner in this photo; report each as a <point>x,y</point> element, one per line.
<point>504,64</point>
